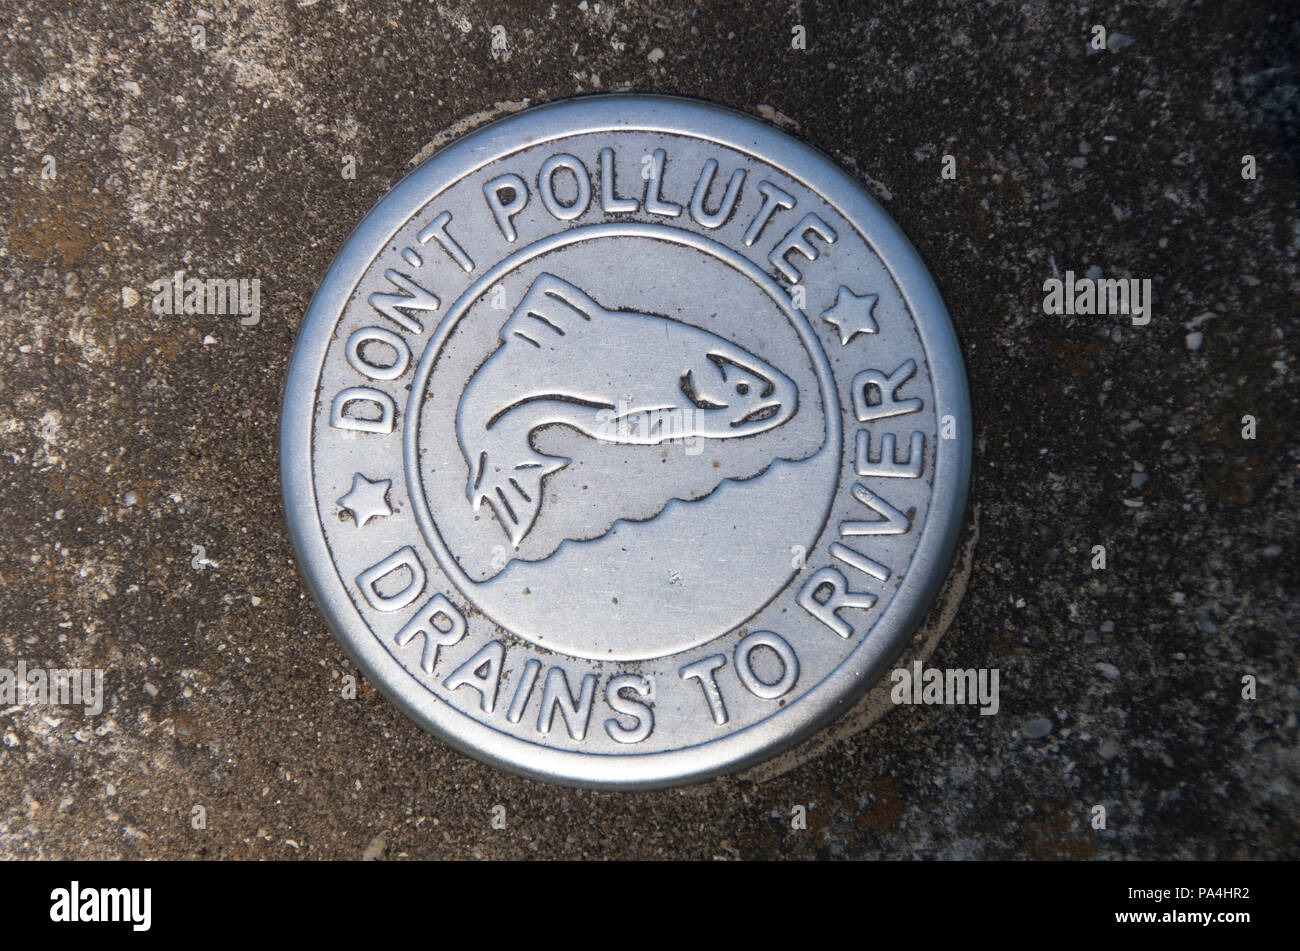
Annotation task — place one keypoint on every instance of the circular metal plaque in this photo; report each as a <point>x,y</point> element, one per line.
<point>626,442</point>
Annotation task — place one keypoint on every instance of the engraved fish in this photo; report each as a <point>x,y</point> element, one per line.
<point>618,376</point>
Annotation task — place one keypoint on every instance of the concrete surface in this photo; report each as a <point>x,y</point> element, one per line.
<point>127,440</point>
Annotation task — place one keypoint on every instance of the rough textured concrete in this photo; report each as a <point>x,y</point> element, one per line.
<point>127,439</point>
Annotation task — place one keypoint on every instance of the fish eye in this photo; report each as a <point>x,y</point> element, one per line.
<point>742,388</point>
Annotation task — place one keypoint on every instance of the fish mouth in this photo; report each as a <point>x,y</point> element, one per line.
<point>761,414</point>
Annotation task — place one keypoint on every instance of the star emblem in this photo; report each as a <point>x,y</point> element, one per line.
<point>852,314</point>
<point>367,499</point>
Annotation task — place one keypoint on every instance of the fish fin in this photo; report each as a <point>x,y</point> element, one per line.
<point>514,492</point>
<point>552,310</point>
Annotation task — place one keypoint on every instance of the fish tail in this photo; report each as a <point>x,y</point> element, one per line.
<point>514,492</point>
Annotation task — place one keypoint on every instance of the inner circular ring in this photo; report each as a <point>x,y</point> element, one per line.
<point>798,320</point>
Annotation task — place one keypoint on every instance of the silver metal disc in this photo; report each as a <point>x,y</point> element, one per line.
<point>626,442</point>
